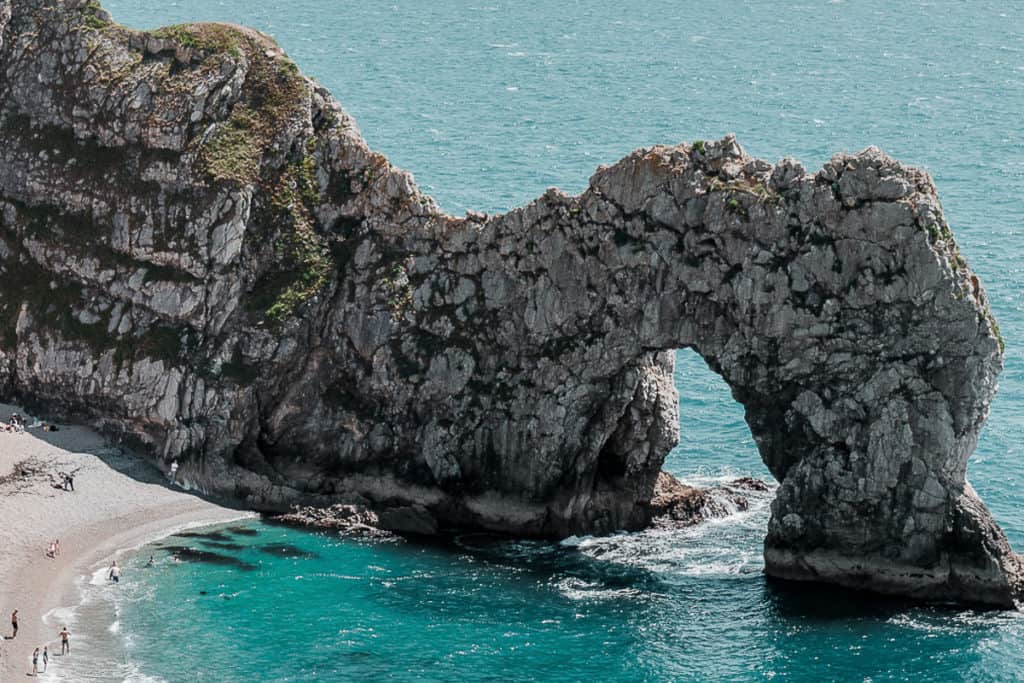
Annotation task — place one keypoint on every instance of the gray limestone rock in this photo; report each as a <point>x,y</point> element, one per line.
<point>199,252</point>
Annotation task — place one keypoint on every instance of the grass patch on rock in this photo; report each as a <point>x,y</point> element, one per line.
<point>234,152</point>
<point>303,258</point>
<point>274,92</point>
<point>205,37</point>
<point>94,16</point>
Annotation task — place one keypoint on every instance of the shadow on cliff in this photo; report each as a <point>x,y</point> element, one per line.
<point>82,439</point>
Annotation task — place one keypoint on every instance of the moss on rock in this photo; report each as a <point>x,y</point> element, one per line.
<point>234,152</point>
<point>304,260</point>
<point>274,94</point>
<point>205,37</point>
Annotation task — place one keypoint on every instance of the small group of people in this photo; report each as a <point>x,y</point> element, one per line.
<point>35,660</point>
<point>53,550</point>
<point>43,656</point>
<point>65,648</point>
<point>16,424</point>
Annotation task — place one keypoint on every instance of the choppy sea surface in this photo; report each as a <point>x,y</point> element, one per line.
<point>488,103</point>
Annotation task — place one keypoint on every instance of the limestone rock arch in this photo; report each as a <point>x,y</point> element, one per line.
<point>199,252</point>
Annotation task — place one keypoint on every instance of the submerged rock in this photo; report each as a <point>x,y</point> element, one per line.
<point>199,252</point>
<point>347,520</point>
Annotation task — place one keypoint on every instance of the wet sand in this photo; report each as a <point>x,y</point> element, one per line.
<point>119,502</point>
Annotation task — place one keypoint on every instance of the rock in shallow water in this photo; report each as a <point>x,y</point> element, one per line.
<point>677,504</point>
<point>347,520</point>
<point>199,252</point>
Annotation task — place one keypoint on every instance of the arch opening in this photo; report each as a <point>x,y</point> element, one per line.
<point>715,442</point>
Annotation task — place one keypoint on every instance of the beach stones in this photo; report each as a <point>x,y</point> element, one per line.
<point>199,252</point>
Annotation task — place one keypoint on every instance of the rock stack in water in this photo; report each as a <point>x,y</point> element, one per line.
<point>199,252</point>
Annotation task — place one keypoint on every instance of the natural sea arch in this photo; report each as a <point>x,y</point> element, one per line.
<point>836,307</point>
<point>273,304</point>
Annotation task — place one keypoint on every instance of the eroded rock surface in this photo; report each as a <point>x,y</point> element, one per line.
<point>677,504</point>
<point>199,252</point>
<point>351,521</point>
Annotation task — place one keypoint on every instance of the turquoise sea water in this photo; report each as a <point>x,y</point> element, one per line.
<point>488,103</point>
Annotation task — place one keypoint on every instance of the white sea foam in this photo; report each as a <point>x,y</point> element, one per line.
<point>723,546</point>
<point>98,577</point>
<point>575,588</point>
<point>60,616</point>
<point>575,541</point>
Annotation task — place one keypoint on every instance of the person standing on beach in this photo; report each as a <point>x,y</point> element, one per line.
<point>46,658</point>
<point>35,662</point>
<point>14,624</point>
<point>115,572</point>
<point>65,645</point>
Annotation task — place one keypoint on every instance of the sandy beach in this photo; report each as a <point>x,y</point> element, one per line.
<point>118,502</point>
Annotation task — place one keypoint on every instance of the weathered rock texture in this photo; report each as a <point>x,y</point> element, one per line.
<point>676,504</point>
<point>199,252</point>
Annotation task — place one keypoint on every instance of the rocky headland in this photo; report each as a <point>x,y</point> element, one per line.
<point>200,254</point>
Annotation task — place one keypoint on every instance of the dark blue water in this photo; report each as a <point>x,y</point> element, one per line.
<point>488,103</point>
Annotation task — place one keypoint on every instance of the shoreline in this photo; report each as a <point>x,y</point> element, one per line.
<point>120,503</point>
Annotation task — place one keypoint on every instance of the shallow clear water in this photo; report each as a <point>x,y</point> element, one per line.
<point>488,103</point>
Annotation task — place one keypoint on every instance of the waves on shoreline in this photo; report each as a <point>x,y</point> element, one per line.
<point>100,651</point>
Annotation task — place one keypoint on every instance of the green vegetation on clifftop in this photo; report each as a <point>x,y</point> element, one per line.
<point>206,37</point>
<point>274,93</point>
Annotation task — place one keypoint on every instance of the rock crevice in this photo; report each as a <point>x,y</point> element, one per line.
<point>199,252</point>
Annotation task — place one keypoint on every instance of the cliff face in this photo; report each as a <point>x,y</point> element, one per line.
<point>199,252</point>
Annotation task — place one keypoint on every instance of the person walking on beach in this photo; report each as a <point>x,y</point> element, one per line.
<point>65,645</point>
<point>14,624</point>
<point>56,548</point>
<point>174,471</point>
<point>35,662</point>
<point>46,658</point>
<point>115,572</point>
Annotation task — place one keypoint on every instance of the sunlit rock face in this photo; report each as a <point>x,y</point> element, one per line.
<point>198,252</point>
